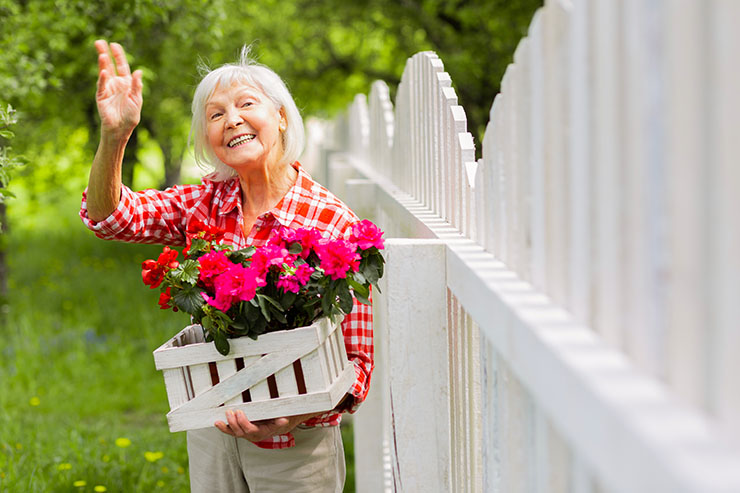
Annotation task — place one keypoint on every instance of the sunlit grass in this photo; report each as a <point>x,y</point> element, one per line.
<point>82,407</point>
<point>77,374</point>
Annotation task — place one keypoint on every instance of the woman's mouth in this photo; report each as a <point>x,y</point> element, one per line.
<point>241,139</point>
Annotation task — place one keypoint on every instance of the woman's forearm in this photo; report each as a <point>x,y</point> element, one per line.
<point>104,185</point>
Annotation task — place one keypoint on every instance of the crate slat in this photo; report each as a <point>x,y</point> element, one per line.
<point>272,408</point>
<point>169,356</point>
<point>202,383</point>
<point>286,382</point>
<point>227,368</point>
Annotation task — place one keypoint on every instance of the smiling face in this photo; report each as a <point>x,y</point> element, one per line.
<point>243,127</point>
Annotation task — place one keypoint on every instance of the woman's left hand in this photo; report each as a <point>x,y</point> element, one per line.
<point>256,431</point>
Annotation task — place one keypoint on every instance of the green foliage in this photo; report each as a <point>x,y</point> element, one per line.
<point>268,307</point>
<point>8,161</point>
<point>327,51</point>
<point>77,369</point>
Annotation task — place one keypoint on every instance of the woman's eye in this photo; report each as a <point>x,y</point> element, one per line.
<point>246,104</point>
<point>215,115</point>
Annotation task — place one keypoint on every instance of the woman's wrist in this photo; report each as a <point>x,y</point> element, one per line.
<point>115,137</point>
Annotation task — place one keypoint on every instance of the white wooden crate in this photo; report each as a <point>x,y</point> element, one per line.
<point>285,373</point>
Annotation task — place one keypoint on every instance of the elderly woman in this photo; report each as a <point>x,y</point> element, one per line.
<point>247,129</point>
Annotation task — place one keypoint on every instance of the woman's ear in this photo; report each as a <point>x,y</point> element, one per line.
<point>283,120</point>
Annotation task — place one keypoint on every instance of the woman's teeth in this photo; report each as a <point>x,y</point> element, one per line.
<point>239,140</point>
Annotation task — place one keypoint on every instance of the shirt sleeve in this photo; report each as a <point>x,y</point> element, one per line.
<point>149,216</point>
<point>357,328</point>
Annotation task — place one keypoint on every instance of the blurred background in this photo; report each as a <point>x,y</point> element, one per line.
<point>81,406</point>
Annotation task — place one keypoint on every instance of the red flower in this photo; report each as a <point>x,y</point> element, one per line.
<point>338,257</point>
<point>199,229</point>
<point>366,235</point>
<point>211,265</point>
<point>153,272</point>
<point>164,300</point>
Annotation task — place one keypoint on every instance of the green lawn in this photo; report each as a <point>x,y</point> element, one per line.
<point>82,407</point>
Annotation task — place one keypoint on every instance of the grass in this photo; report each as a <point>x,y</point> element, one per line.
<point>82,407</point>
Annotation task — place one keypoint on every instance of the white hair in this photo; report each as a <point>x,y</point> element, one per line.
<point>249,72</point>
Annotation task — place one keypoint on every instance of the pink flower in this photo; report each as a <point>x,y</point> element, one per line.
<point>338,257</point>
<point>366,235</point>
<point>288,284</point>
<point>303,273</point>
<point>212,265</point>
<point>308,238</point>
<point>269,256</point>
<point>238,283</point>
<point>292,278</point>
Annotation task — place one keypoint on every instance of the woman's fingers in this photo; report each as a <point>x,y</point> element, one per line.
<point>224,428</point>
<point>104,61</point>
<point>136,83</point>
<point>102,79</point>
<point>120,58</point>
<point>102,46</point>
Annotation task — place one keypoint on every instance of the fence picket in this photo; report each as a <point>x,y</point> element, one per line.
<point>607,316</point>
<point>591,271</point>
<point>725,204</point>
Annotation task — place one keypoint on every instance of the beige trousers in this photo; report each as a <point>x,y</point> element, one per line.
<point>220,463</point>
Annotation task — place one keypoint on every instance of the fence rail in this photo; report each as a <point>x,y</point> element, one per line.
<point>563,314</point>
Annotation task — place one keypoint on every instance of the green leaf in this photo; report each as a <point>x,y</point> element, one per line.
<point>326,303</point>
<point>295,248</point>
<point>381,265</point>
<point>221,342</point>
<point>186,272</point>
<point>362,299</point>
<point>251,311</point>
<point>8,134</point>
<point>198,247</point>
<point>259,326</point>
<point>189,299</point>
<point>345,299</point>
<point>359,278</point>
<point>263,307</point>
<point>287,300</point>
<point>240,256</point>
<point>358,288</point>
<point>370,272</point>
<point>279,316</point>
<point>272,302</point>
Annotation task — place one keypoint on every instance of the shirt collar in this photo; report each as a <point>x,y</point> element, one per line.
<point>289,206</point>
<point>232,197</point>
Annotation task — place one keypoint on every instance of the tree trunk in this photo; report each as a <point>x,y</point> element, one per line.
<point>3,263</point>
<point>172,166</point>
<point>129,160</point>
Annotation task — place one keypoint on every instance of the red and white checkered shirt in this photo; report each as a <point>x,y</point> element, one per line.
<point>162,217</point>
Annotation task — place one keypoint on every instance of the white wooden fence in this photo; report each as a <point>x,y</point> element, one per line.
<point>563,314</point>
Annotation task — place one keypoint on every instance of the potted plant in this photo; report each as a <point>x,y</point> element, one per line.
<point>265,336</point>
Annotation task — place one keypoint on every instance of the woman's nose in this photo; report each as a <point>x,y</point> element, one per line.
<point>233,118</point>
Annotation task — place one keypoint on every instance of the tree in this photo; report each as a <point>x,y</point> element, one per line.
<point>8,162</point>
<point>327,51</point>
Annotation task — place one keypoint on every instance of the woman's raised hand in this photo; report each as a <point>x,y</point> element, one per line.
<point>119,94</point>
